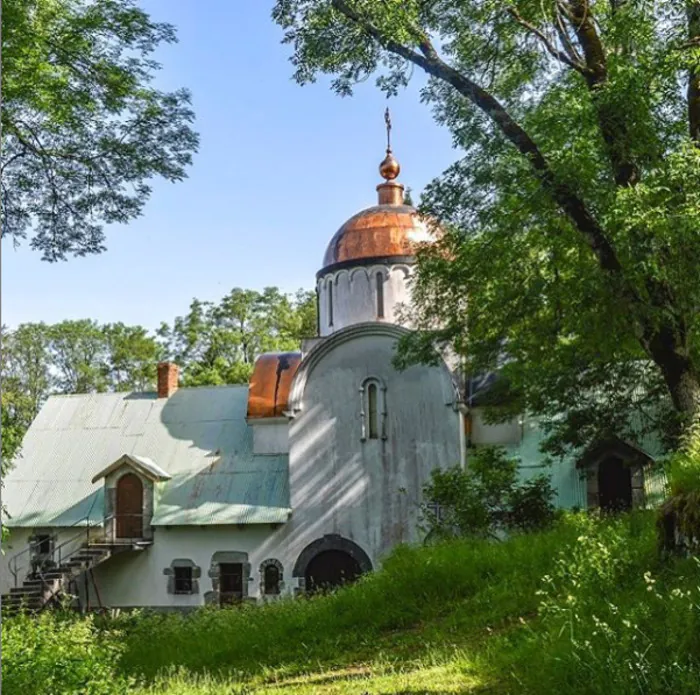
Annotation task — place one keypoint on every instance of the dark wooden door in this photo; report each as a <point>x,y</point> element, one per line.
<point>330,569</point>
<point>614,485</point>
<point>129,507</point>
<point>230,582</point>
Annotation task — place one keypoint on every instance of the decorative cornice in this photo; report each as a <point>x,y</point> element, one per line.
<point>358,262</point>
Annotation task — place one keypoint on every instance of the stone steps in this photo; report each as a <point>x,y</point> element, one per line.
<point>35,592</point>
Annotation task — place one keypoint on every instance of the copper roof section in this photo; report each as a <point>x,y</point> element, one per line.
<point>386,230</point>
<point>272,377</point>
<point>378,232</point>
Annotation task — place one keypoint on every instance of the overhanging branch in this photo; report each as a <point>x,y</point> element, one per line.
<point>573,206</point>
<point>561,56</point>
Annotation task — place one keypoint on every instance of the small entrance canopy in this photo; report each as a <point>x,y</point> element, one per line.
<point>145,466</point>
<point>614,446</point>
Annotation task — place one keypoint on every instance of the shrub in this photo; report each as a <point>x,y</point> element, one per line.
<point>485,498</point>
<point>60,654</point>
<point>679,516</point>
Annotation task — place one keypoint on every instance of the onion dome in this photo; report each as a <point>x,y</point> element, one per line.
<point>386,231</point>
<point>268,393</point>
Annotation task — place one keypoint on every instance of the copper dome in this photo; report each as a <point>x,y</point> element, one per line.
<point>270,383</point>
<point>378,232</point>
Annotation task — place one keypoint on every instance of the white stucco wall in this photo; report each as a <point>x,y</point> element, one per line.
<point>367,491</point>
<point>355,296</point>
<point>270,437</point>
<point>136,578</point>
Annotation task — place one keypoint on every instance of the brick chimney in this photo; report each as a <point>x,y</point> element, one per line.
<point>168,373</point>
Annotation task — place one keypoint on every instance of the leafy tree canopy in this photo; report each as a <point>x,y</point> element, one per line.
<point>218,343</point>
<point>571,255</point>
<point>83,129</point>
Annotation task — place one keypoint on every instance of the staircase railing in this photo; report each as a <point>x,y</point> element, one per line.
<point>89,531</point>
<point>13,563</point>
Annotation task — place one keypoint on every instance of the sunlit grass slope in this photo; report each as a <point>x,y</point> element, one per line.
<point>586,607</point>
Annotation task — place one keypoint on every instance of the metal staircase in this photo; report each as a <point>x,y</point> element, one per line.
<point>49,581</point>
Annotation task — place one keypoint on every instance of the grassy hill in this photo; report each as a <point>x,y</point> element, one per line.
<point>584,608</point>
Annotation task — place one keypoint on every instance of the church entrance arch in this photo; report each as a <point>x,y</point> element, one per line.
<point>329,570</point>
<point>330,562</point>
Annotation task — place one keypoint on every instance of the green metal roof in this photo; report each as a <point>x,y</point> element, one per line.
<point>198,436</point>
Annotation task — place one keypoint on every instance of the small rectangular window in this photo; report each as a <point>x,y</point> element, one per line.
<point>380,296</point>
<point>183,580</point>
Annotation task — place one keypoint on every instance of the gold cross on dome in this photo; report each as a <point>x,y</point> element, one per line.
<point>387,120</point>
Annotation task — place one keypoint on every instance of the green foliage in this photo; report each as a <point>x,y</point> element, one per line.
<point>683,467</point>
<point>214,344</point>
<point>485,498</point>
<point>612,620</point>
<point>56,654</point>
<point>572,221</point>
<point>679,516</point>
<point>217,343</point>
<point>83,129</point>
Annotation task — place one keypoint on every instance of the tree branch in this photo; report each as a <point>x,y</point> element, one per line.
<point>612,126</point>
<point>561,56</point>
<point>569,202</point>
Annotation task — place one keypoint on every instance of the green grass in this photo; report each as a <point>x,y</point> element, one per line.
<point>584,608</point>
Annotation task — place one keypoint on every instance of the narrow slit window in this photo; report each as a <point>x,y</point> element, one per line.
<point>183,580</point>
<point>330,303</point>
<point>380,296</point>
<point>372,411</point>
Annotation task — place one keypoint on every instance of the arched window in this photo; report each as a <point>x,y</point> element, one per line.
<point>271,577</point>
<point>373,409</point>
<point>380,295</point>
<point>372,417</point>
<point>330,302</point>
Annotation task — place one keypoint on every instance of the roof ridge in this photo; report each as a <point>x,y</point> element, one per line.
<point>146,393</point>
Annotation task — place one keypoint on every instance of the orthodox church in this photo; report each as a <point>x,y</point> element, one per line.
<point>305,478</point>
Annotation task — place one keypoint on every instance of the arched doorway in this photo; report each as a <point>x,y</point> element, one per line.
<point>329,570</point>
<point>129,507</point>
<point>614,485</point>
<point>329,562</point>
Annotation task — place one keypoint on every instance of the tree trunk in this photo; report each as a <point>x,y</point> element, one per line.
<point>684,387</point>
<point>680,374</point>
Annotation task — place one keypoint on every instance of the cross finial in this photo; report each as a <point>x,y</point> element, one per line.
<point>387,120</point>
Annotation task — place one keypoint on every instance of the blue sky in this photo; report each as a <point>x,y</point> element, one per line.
<point>280,168</point>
